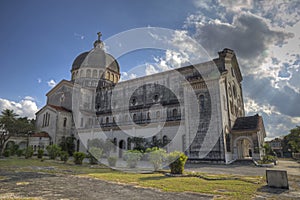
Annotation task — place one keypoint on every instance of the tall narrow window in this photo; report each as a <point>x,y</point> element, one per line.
<point>175,112</point>
<point>88,73</point>
<point>65,122</point>
<point>134,117</point>
<point>107,120</point>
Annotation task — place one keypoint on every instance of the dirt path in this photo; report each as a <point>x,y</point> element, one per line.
<point>58,186</point>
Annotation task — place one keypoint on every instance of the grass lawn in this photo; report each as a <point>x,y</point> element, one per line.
<point>224,186</point>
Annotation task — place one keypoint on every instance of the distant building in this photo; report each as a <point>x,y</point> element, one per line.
<point>276,146</point>
<point>219,102</point>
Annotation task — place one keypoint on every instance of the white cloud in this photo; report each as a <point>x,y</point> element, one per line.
<point>24,108</point>
<point>39,80</point>
<point>127,76</point>
<point>79,36</point>
<point>236,5</point>
<point>150,69</point>
<point>51,83</point>
<point>276,123</point>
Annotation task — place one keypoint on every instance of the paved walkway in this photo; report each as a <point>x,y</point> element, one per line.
<point>55,186</point>
<point>292,167</point>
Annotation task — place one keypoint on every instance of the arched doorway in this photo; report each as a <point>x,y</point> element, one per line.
<point>122,146</point>
<point>243,147</point>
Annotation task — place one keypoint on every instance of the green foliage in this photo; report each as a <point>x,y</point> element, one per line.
<point>177,161</point>
<point>156,156</point>
<point>67,144</point>
<point>292,140</point>
<point>6,153</point>
<point>106,146</point>
<point>13,126</point>
<point>112,161</point>
<point>132,157</point>
<point>28,152</point>
<point>95,155</point>
<point>12,147</point>
<point>269,159</point>
<point>269,150</point>
<point>78,157</point>
<point>40,153</point>
<point>64,156</point>
<point>139,144</point>
<point>53,151</point>
<point>19,152</point>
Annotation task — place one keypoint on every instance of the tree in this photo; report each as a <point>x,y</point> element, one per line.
<point>8,124</point>
<point>292,140</point>
<point>67,144</point>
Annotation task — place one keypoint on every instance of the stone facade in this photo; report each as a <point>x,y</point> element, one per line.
<point>192,109</point>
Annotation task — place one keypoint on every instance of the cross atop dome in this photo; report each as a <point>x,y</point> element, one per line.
<point>98,43</point>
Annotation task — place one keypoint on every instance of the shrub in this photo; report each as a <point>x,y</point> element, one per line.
<point>78,157</point>
<point>132,157</point>
<point>112,161</point>
<point>13,149</point>
<point>40,153</point>
<point>95,155</point>
<point>269,159</point>
<point>6,153</point>
<point>156,157</point>
<point>28,152</point>
<point>177,161</point>
<point>53,151</point>
<point>64,156</point>
<point>19,152</point>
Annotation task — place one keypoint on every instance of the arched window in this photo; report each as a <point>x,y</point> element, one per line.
<point>157,114</point>
<point>134,117</point>
<point>108,75</point>
<point>234,91</point>
<point>81,73</point>
<point>88,73</point>
<point>129,143</point>
<point>65,122</point>
<point>175,112</point>
<point>154,140</point>
<point>165,140</point>
<point>155,98</point>
<point>94,73</point>
<point>148,115</point>
<point>107,120</point>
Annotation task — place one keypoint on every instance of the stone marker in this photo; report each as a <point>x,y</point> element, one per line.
<point>277,179</point>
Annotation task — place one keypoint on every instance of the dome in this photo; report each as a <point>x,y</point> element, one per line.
<point>96,58</point>
<point>112,63</point>
<point>79,60</point>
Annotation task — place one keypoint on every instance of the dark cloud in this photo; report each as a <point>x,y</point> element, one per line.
<point>285,100</point>
<point>248,35</point>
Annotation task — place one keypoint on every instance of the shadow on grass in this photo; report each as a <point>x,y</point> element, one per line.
<point>270,190</point>
<point>154,178</point>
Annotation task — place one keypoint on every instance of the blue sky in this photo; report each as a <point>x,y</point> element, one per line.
<point>40,40</point>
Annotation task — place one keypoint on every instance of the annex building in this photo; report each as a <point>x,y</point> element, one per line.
<point>197,109</point>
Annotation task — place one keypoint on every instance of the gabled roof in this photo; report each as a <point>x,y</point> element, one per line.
<point>40,134</point>
<point>54,107</point>
<point>61,83</point>
<point>59,108</point>
<point>248,123</point>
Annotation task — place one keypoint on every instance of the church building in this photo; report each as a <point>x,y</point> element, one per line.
<point>196,109</point>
